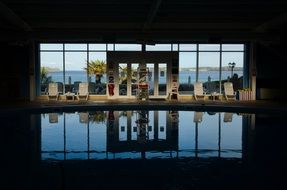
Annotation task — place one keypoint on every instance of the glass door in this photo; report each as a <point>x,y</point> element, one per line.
<point>157,79</point>
<point>127,78</point>
<point>123,79</point>
<point>151,78</point>
<point>162,79</point>
<point>134,78</point>
<point>123,69</point>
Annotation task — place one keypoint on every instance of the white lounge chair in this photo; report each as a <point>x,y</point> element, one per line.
<point>53,117</point>
<point>84,117</point>
<point>227,117</point>
<point>229,93</point>
<point>83,91</point>
<point>53,91</point>
<point>197,117</point>
<point>198,91</point>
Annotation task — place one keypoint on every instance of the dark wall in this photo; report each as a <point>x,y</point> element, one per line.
<point>14,72</point>
<point>271,72</point>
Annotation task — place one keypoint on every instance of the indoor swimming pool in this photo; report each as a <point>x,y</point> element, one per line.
<point>143,149</point>
<point>141,134</point>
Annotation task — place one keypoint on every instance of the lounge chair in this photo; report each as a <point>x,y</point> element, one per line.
<point>53,91</point>
<point>53,117</point>
<point>197,117</point>
<point>227,117</point>
<point>84,117</point>
<point>229,93</point>
<point>83,91</point>
<point>198,91</point>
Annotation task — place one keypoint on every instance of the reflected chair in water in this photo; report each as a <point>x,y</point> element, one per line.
<point>84,117</point>
<point>227,117</point>
<point>53,118</point>
<point>53,91</point>
<point>197,117</point>
<point>198,91</point>
<point>83,91</point>
<point>229,93</point>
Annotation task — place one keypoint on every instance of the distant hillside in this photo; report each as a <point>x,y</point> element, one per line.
<point>225,68</point>
<point>52,69</point>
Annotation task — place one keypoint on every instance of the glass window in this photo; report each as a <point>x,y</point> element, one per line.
<point>151,77</point>
<point>187,72</point>
<point>232,68</point>
<point>76,47</point>
<point>51,70</point>
<point>174,47</point>
<point>128,47</point>
<point>123,77</point>
<point>75,70</point>
<point>134,76</point>
<point>53,47</point>
<point>162,78</point>
<point>97,47</point>
<point>208,71</point>
<point>158,47</point>
<point>209,47</point>
<point>110,47</point>
<point>187,47</point>
<point>232,47</point>
<point>98,74</point>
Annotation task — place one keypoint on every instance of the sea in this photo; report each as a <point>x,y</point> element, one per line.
<point>185,77</point>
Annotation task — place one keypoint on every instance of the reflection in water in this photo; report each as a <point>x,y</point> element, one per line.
<point>144,150</point>
<point>140,135</point>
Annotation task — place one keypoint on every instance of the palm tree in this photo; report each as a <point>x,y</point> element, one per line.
<point>231,65</point>
<point>98,117</point>
<point>44,76</point>
<point>97,68</point>
<point>123,73</point>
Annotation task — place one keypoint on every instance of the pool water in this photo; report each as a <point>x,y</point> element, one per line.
<point>140,135</point>
<point>143,149</point>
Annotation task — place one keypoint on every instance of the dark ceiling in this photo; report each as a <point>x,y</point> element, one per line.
<point>136,20</point>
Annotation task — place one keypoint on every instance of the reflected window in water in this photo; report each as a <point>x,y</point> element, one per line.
<point>141,134</point>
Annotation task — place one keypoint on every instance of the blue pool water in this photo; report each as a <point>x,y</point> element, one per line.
<point>166,134</point>
<point>145,149</point>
